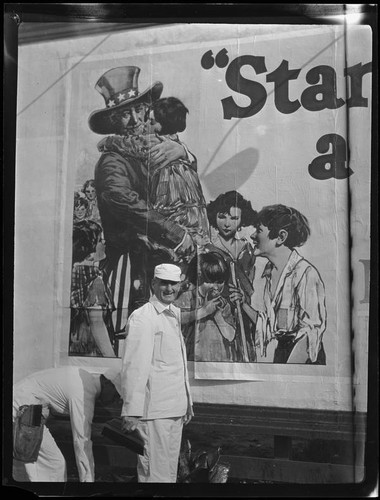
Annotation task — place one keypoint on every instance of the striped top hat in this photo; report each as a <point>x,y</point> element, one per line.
<point>119,88</point>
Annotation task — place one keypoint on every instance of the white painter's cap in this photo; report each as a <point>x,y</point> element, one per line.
<point>169,272</point>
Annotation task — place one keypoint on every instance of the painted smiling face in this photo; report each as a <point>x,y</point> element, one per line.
<point>80,212</point>
<point>132,120</point>
<point>264,245</point>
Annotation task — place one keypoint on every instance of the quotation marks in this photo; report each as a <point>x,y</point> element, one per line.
<point>221,59</point>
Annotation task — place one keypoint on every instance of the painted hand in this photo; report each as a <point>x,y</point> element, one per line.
<point>186,250</point>
<point>235,294</point>
<point>210,308</point>
<point>166,151</point>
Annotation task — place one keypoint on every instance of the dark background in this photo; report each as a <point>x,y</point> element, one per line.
<point>42,21</point>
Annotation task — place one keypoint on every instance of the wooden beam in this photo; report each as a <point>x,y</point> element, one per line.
<point>286,471</point>
<point>51,31</point>
<point>282,447</point>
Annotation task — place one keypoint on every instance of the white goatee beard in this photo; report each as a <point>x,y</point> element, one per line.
<point>133,131</point>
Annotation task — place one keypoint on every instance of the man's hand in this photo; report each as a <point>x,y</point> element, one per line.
<point>129,424</point>
<point>166,151</point>
<point>45,410</point>
<point>186,418</point>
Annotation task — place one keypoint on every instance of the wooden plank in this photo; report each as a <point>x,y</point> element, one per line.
<point>283,447</point>
<point>305,423</point>
<point>286,471</point>
<point>44,32</point>
<point>243,467</point>
<point>300,422</point>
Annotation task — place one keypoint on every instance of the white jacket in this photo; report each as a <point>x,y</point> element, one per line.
<point>154,376</point>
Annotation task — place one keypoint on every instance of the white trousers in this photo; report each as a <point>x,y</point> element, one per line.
<point>50,465</point>
<point>162,438</point>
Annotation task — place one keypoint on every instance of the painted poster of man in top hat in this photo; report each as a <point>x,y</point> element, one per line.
<point>132,229</point>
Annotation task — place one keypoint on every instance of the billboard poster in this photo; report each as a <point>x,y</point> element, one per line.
<point>265,138</point>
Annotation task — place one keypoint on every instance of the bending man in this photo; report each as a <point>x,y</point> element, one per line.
<point>69,391</point>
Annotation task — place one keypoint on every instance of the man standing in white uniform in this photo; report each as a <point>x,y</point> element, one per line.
<point>154,379</point>
<point>68,391</point>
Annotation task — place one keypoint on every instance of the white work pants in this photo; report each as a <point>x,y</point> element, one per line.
<point>162,438</point>
<point>50,465</point>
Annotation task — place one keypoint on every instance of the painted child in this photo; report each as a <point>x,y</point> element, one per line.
<point>80,207</point>
<point>90,193</point>
<point>175,188</point>
<point>90,299</point>
<point>227,214</point>
<point>294,310</point>
<point>208,325</point>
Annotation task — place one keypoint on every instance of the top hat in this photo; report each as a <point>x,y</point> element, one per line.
<point>119,88</point>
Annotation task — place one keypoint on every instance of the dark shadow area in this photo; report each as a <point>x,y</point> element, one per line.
<point>220,179</point>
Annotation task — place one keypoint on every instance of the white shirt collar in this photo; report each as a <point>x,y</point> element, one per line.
<point>161,307</point>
